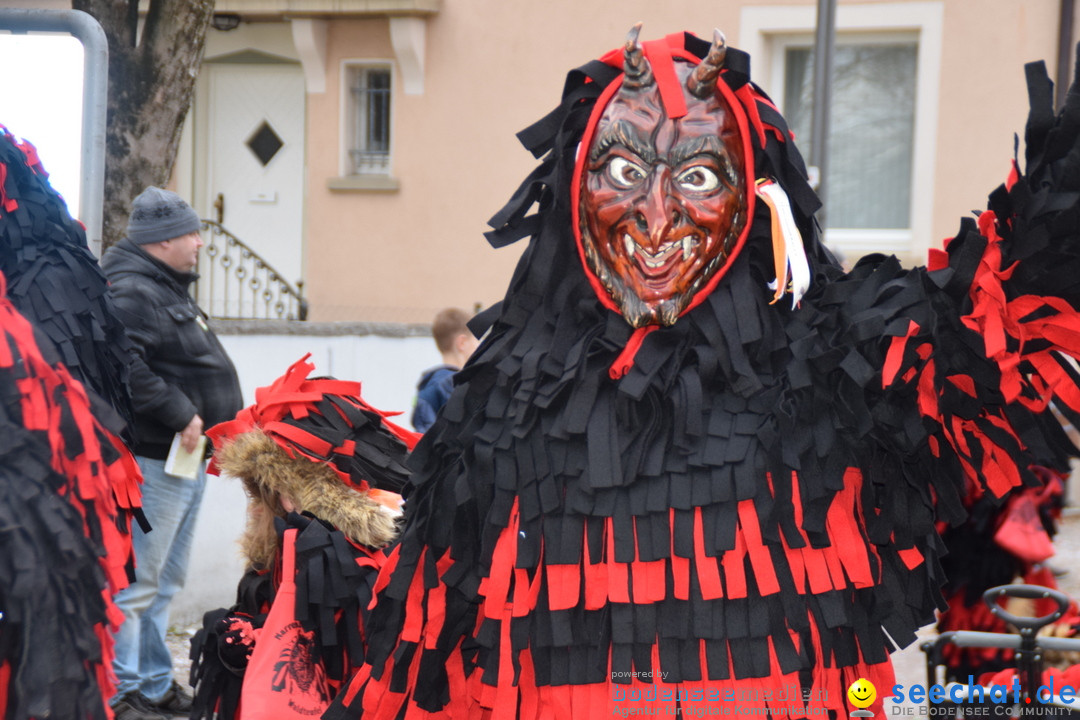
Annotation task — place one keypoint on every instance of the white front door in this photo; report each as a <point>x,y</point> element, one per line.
<point>254,181</point>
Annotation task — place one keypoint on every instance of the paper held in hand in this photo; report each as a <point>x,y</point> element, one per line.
<point>184,464</point>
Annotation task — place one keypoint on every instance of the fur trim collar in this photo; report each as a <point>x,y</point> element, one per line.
<point>269,475</point>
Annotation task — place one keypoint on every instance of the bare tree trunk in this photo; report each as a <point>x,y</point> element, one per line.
<point>151,83</point>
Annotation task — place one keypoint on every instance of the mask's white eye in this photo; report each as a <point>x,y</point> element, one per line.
<point>698,179</point>
<point>624,173</point>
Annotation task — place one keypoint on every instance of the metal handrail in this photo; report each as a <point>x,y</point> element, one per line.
<point>236,283</point>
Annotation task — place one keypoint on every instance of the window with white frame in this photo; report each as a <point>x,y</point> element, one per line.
<point>367,119</point>
<point>883,134</point>
<point>871,130</point>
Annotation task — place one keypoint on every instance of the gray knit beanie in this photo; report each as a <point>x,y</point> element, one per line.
<point>158,215</point>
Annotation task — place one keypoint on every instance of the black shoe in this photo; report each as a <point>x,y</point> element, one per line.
<point>175,701</point>
<point>134,706</point>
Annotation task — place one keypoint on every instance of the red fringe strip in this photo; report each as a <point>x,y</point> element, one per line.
<point>522,699</point>
<point>510,592</point>
<point>1002,323</point>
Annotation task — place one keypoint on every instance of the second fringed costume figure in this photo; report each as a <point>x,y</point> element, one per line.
<point>315,459</point>
<point>693,461</point>
<point>69,487</point>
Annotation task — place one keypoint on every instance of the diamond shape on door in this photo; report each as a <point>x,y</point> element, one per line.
<point>265,143</point>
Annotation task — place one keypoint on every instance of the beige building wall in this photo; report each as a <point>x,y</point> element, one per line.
<point>492,67</point>
<point>984,97</point>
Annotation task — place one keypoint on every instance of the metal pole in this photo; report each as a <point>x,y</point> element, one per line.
<point>94,102</point>
<point>824,46</point>
<point>1065,51</point>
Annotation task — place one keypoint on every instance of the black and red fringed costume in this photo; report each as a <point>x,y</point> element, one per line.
<point>55,281</point>
<point>68,484</point>
<point>62,550</point>
<point>313,456</point>
<point>737,503</point>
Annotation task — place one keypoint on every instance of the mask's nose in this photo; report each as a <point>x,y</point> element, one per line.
<point>659,210</point>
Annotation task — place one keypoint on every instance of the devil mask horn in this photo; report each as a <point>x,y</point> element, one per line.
<point>637,71</point>
<point>702,82</point>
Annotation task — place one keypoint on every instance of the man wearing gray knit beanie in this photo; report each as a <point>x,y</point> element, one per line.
<point>181,381</point>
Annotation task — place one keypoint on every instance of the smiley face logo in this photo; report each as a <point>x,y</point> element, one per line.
<point>862,693</point>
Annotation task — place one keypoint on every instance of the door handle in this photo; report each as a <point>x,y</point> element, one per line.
<point>219,208</point>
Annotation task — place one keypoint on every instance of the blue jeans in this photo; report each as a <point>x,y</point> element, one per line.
<point>171,504</point>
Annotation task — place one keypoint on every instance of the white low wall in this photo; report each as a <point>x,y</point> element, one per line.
<point>387,360</point>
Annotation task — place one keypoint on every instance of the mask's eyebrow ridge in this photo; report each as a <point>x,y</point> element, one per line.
<point>627,135</point>
<point>705,145</point>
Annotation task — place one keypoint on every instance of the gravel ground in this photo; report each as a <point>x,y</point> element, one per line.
<point>1067,544</point>
<point>909,663</point>
<point>179,642</point>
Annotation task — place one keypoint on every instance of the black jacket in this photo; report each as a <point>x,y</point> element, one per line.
<point>184,369</point>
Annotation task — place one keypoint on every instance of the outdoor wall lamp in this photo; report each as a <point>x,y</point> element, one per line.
<point>225,21</point>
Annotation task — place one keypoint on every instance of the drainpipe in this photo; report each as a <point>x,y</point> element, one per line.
<point>94,102</point>
<point>1065,50</point>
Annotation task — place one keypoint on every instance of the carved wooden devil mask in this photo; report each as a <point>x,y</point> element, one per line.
<point>662,196</point>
